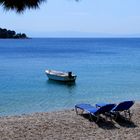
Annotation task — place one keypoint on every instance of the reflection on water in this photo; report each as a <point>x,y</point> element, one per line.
<point>68,84</point>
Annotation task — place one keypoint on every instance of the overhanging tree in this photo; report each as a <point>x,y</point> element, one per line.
<point>20,5</point>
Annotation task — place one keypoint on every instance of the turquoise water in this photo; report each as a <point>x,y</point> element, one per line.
<point>108,70</point>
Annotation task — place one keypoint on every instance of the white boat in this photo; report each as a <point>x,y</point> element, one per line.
<point>60,76</point>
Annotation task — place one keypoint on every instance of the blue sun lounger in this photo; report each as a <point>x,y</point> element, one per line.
<point>93,111</point>
<point>121,107</point>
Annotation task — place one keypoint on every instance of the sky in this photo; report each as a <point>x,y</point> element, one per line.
<point>86,18</point>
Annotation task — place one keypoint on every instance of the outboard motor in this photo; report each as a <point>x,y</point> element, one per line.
<point>70,74</point>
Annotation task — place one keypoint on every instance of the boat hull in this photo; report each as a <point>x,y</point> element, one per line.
<point>63,78</point>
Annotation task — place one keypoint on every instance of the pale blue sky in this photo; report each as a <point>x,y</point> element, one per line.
<point>67,18</point>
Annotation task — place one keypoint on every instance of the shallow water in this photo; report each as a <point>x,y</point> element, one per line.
<point>108,70</point>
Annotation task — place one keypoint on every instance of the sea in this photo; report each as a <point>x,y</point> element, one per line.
<point>107,69</point>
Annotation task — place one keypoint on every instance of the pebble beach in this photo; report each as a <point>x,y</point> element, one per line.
<point>66,125</point>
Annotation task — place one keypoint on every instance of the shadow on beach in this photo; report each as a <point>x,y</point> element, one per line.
<point>108,124</point>
<point>122,121</point>
<point>102,123</point>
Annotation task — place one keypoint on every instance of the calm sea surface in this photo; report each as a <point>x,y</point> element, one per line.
<point>108,70</point>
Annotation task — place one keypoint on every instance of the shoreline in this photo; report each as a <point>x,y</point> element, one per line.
<point>67,125</point>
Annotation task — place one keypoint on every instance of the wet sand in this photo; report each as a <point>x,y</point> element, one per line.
<point>66,125</point>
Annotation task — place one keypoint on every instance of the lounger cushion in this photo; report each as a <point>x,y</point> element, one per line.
<point>83,106</point>
<point>93,110</point>
<point>123,106</point>
<point>120,107</point>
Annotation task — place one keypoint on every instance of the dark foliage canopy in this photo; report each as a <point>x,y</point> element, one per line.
<point>20,5</point>
<point>4,33</point>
